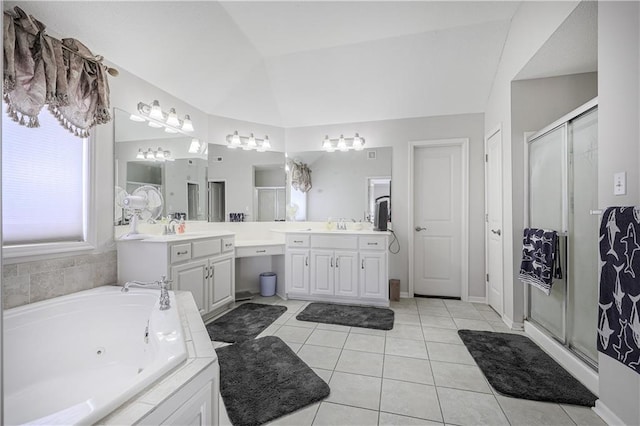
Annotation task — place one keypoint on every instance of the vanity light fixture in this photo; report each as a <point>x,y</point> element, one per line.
<point>194,147</point>
<point>343,144</point>
<point>158,118</point>
<point>151,155</point>
<point>247,143</point>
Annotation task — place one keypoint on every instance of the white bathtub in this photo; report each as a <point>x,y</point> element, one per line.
<point>76,358</point>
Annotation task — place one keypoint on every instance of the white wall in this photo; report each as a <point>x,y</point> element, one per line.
<point>531,27</point>
<point>619,150</point>
<point>397,134</point>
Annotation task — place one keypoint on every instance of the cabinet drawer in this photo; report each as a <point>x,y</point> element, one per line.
<point>259,251</point>
<point>228,244</point>
<point>297,241</point>
<point>338,242</point>
<point>180,252</point>
<point>206,247</point>
<point>372,243</point>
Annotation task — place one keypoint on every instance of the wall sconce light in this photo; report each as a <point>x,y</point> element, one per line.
<point>197,147</point>
<point>159,155</point>
<point>248,143</point>
<point>158,118</point>
<point>355,143</point>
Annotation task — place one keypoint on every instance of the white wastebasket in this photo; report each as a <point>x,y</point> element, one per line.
<point>268,283</point>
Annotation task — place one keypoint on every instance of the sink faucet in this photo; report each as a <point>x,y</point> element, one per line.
<point>164,284</point>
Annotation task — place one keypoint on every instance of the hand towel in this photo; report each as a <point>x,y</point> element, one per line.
<point>540,258</point>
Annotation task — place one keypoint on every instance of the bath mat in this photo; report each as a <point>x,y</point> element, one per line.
<point>244,322</point>
<point>263,379</point>
<point>516,366</point>
<point>354,316</point>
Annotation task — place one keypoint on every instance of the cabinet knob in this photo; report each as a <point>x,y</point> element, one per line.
<point>182,252</point>
<point>362,266</point>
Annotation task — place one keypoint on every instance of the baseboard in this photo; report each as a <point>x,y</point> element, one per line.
<point>404,294</point>
<point>581,371</point>
<point>477,299</point>
<point>511,324</point>
<point>607,415</point>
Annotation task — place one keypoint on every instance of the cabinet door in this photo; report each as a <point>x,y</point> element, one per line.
<point>297,275</point>
<point>373,275</point>
<point>322,272</point>
<point>197,411</point>
<point>221,282</point>
<point>191,277</point>
<point>346,273</point>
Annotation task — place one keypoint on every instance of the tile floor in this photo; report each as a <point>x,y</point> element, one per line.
<point>419,373</point>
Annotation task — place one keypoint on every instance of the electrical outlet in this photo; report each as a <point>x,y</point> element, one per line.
<point>620,183</point>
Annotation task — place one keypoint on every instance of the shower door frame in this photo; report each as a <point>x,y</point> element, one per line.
<point>564,232</point>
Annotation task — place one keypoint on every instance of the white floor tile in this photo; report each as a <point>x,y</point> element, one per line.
<point>293,334</point>
<point>356,362</point>
<point>406,347</point>
<point>332,339</point>
<point>583,416</point>
<point>282,318</point>
<point>368,331</point>
<point>388,419</point>
<point>426,311</point>
<point>465,313</point>
<point>323,374</point>
<point>534,413</point>
<point>458,376</point>
<point>442,335</point>
<point>410,399</point>
<point>407,369</point>
<point>472,324</point>
<point>438,322</point>
<point>410,319</point>
<point>302,417</point>
<point>355,390</point>
<point>335,414</point>
<point>364,342</point>
<point>427,301</point>
<point>297,323</point>
<point>490,315</point>
<point>333,327</point>
<point>449,353</point>
<point>403,331</point>
<point>470,408</point>
<point>319,356</point>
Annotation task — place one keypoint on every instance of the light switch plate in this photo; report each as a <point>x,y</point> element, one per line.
<point>620,183</point>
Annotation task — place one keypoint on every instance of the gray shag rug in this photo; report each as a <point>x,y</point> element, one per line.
<point>516,366</point>
<point>263,379</point>
<point>349,315</point>
<point>244,322</point>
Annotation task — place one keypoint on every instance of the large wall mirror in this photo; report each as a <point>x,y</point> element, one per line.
<point>342,184</point>
<point>215,184</point>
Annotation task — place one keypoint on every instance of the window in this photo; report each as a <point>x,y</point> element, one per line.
<point>45,182</point>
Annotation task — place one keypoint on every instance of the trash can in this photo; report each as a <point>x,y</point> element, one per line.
<point>394,290</point>
<point>268,283</point>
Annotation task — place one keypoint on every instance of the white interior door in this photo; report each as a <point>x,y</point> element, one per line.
<point>493,173</point>
<point>437,227</point>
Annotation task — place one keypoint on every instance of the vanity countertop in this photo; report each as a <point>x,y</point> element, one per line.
<point>183,237</point>
<point>332,232</point>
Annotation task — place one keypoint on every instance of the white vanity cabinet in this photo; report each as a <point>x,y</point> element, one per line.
<point>203,266</point>
<point>343,267</point>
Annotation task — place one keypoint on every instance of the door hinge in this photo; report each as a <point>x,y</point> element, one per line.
<point>486,158</point>
<point>486,217</point>
<point>487,277</point>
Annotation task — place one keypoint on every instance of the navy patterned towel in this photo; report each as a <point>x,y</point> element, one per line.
<point>540,258</point>
<point>618,319</point>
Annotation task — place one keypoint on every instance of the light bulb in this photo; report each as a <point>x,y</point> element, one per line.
<point>235,139</point>
<point>168,157</point>
<point>251,143</point>
<point>156,112</point>
<point>172,119</point>
<point>150,155</point>
<point>357,143</point>
<point>140,155</point>
<point>342,145</point>
<point>194,148</point>
<point>326,145</point>
<point>160,154</point>
<point>187,125</point>
<point>266,144</point>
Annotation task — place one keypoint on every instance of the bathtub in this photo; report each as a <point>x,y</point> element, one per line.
<point>76,358</point>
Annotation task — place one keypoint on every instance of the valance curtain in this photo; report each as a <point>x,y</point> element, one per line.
<point>300,177</point>
<point>63,74</point>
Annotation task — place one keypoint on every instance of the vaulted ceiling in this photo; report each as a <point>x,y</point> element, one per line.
<point>299,63</point>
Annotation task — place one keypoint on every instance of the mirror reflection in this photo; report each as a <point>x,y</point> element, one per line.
<point>343,185</point>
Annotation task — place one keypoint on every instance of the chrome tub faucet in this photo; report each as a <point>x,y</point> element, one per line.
<point>164,284</point>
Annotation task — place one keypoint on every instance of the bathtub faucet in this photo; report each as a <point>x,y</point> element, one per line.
<point>164,285</point>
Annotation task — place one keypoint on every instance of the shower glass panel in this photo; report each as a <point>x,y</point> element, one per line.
<point>563,183</point>
<point>546,171</point>
<point>583,238</point>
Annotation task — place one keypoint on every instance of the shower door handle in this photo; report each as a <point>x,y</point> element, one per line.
<point>498,232</point>
<point>420,228</point>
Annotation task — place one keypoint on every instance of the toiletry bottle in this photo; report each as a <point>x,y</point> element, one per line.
<point>181,226</point>
<point>329,224</point>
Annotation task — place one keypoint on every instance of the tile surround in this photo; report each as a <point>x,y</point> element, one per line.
<point>406,377</point>
<point>30,282</point>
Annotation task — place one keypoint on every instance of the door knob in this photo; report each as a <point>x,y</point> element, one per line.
<point>419,228</point>
<point>498,232</point>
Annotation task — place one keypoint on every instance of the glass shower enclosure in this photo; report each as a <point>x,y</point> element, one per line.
<point>562,196</point>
